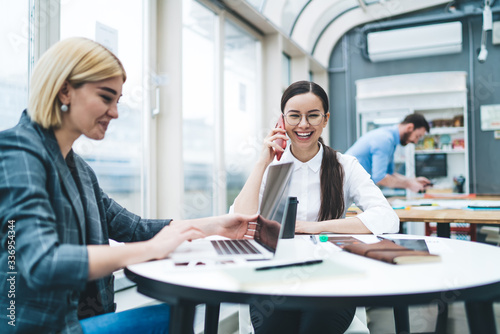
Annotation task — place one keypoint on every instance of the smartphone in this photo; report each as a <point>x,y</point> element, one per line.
<point>279,141</point>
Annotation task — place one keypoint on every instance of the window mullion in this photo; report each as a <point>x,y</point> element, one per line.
<point>44,26</point>
<point>219,186</point>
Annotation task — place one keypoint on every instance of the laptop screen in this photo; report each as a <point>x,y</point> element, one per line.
<point>274,205</point>
<point>267,233</point>
<point>276,191</point>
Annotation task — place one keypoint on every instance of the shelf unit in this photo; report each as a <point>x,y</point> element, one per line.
<point>441,97</point>
<point>449,140</point>
<point>446,130</point>
<point>436,151</point>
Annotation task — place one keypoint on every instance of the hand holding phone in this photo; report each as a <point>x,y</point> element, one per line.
<point>279,141</point>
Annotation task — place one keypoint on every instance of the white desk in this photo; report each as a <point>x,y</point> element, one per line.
<point>468,272</point>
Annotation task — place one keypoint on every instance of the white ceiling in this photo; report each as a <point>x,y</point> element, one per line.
<point>317,25</point>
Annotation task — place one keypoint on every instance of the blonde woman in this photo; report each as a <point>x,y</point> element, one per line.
<point>59,221</point>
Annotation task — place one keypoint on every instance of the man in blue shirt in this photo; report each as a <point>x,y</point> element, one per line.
<point>375,152</point>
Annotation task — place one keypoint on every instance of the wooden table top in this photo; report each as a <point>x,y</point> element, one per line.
<point>449,216</point>
<point>446,215</point>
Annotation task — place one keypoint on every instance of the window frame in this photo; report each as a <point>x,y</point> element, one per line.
<point>162,183</point>
<point>219,185</point>
<point>44,31</point>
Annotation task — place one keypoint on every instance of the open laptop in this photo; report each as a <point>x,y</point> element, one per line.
<point>265,241</point>
<point>276,191</point>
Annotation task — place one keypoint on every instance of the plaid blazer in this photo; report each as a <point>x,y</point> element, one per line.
<point>50,208</point>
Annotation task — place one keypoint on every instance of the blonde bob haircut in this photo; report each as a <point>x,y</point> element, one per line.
<point>76,60</point>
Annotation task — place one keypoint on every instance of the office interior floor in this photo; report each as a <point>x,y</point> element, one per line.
<point>380,320</point>
<point>423,319</point>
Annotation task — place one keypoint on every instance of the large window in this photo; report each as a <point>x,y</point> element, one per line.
<point>223,100</point>
<point>221,62</point>
<point>199,108</point>
<point>118,158</point>
<point>14,24</point>
<point>286,71</point>
<point>241,107</point>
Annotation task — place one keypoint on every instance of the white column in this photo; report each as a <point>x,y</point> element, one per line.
<point>169,172</point>
<point>321,78</point>
<point>271,88</point>
<point>300,68</point>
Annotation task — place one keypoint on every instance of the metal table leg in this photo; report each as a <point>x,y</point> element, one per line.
<point>442,319</point>
<point>443,230</point>
<point>480,317</point>
<point>212,318</point>
<point>402,320</point>
<point>182,317</point>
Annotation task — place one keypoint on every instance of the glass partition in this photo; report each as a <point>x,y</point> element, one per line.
<point>241,106</point>
<point>14,23</point>
<point>286,71</point>
<point>291,12</point>
<point>117,160</point>
<point>198,103</point>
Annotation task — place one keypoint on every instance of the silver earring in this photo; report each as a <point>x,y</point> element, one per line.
<point>64,108</point>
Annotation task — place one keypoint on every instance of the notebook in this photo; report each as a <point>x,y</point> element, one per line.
<point>415,244</point>
<point>390,252</point>
<point>265,241</point>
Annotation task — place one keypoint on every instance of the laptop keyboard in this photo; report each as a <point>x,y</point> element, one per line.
<point>232,247</point>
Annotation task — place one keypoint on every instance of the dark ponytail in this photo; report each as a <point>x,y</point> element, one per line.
<point>332,173</point>
<point>332,185</point>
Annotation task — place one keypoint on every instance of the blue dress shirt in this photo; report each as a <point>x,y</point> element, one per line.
<point>375,151</point>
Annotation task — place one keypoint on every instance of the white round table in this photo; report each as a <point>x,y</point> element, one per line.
<point>468,272</point>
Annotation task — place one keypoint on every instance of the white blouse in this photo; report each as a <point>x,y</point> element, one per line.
<point>378,216</point>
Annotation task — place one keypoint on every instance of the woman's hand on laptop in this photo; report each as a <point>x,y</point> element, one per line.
<point>170,237</point>
<point>233,226</point>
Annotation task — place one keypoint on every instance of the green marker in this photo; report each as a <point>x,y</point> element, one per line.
<point>323,238</point>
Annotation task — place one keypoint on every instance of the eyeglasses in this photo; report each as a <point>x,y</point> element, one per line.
<point>314,118</point>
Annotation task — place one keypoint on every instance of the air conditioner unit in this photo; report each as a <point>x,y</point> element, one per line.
<point>421,41</point>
